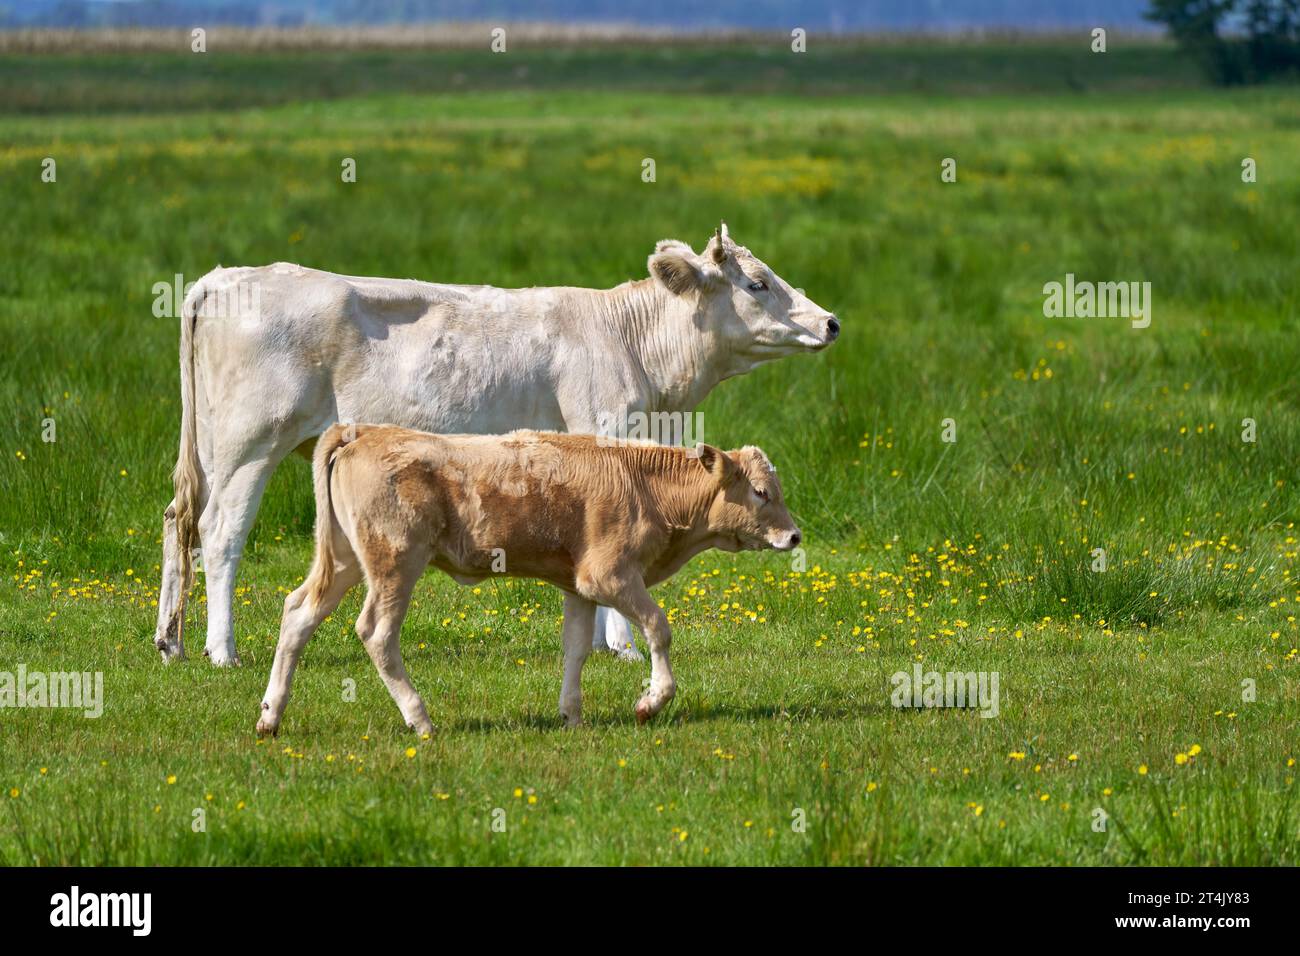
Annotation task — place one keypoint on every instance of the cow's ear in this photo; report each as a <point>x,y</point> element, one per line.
<point>674,266</point>
<point>715,462</point>
<point>717,246</point>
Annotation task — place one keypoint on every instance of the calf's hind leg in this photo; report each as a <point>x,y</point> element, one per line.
<point>302,615</point>
<point>380,628</point>
<point>579,615</point>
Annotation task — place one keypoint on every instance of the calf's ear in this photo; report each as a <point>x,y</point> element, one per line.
<point>715,462</point>
<point>674,266</point>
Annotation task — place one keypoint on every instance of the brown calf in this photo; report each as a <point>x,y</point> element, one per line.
<point>602,522</point>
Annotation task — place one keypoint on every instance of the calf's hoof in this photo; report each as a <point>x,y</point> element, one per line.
<point>652,703</point>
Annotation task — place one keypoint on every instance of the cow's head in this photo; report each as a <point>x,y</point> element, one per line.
<point>748,510</point>
<point>742,301</point>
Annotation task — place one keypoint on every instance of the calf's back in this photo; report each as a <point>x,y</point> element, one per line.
<point>530,504</point>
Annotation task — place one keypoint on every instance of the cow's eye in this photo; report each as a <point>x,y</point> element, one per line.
<point>761,494</point>
<point>758,285</point>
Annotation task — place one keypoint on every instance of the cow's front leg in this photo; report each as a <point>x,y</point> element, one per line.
<point>579,615</point>
<point>614,633</point>
<point>635,601</point>
<point>606,415</point>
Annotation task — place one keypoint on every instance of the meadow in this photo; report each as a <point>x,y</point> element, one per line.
<point>1162,690</point>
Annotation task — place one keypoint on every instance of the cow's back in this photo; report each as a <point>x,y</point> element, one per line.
<point>439,358</point>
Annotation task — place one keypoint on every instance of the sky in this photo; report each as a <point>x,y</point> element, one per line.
<point>828,15</point>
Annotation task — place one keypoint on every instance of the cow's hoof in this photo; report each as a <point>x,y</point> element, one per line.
<point>221,658</point>
<point>644,711</point>
<point>570,722</point>
<point>265,728</point>
<point>169,655</point>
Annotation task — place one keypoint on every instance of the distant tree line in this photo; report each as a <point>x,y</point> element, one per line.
<point>1237,41</point>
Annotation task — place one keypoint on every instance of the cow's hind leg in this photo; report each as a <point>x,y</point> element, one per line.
<point>302,615</point>
<point>380,628</point>
<point>579,614</point>
<point>223,528</point>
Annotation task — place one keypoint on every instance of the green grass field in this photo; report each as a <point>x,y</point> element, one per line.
<point>1120,690</point>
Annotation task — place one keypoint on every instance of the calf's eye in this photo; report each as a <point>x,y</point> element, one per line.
<point>758,285</point>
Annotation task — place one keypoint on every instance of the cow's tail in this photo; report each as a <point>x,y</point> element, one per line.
<point>321,576</point>
<point>187,478</point>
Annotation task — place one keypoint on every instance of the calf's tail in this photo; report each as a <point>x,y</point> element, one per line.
<point>321,576</point>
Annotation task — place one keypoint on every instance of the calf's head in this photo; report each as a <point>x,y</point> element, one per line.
<point>752,311</point>
<point>747,511</point>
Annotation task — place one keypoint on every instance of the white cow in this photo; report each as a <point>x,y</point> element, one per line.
<point>272,356</point>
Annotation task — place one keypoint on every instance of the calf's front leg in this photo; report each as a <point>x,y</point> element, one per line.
<point>635,601</point>
<point>612,632</point>
<point>579,617</point>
